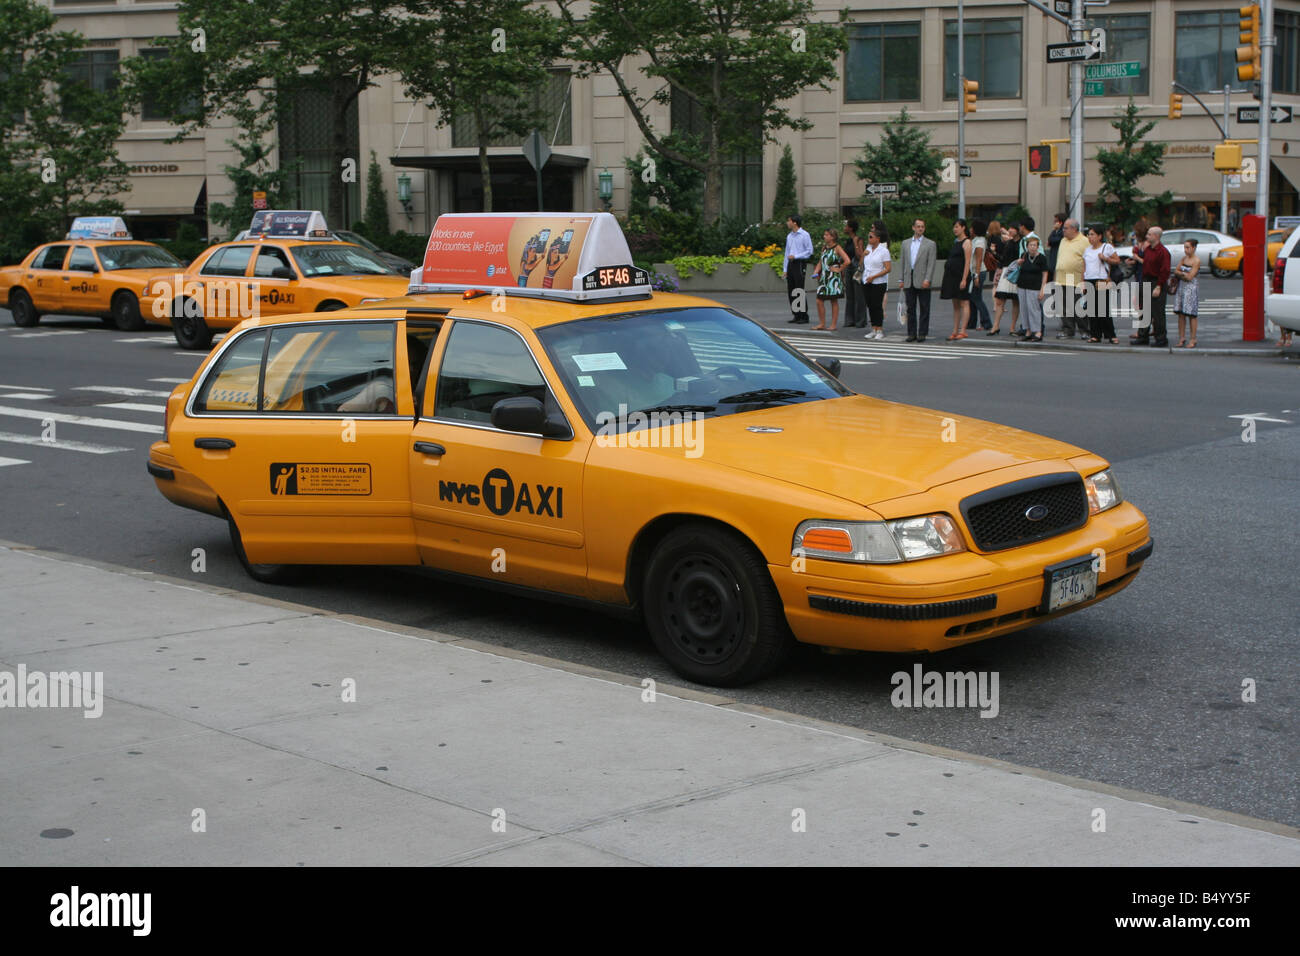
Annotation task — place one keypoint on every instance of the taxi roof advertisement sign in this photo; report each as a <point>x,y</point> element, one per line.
<point>98,227</point>
<point>522,250</point>
<point>287,223</point>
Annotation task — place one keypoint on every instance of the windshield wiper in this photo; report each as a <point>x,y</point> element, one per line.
<point>763,395</point>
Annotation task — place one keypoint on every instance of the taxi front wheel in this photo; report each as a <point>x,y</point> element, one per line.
<point>23,309</point>
<point>266,573</point>
<point>711,608</point>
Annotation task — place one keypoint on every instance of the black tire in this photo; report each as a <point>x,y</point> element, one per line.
<point>331,306</point>
<point>126,312</point>
<point>712,609</point>
<point>23,309</point>
<point>188,326</point>
<point>265,573</point>
<point>1222,273</point>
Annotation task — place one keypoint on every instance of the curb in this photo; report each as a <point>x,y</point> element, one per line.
<point>691,694</point>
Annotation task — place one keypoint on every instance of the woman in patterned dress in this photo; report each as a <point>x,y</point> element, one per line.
<point>829,276</point>
<point>1186,298</point>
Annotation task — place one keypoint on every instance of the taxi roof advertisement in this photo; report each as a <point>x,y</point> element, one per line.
<point>523,250</point>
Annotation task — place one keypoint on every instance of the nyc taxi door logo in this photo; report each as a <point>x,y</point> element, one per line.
<point>497,494</point>
<point>84,287</point>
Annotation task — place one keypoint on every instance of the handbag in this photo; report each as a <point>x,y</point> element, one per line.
<point>991,263</point>
<point>902,312</point>
<point>857,272</point>
<point>1171,285</point>
<point>1012,274</point>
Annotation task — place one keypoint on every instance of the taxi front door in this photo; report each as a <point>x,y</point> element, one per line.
<point>275,283</point>
<point>488,502</point>
<point>83,291</point>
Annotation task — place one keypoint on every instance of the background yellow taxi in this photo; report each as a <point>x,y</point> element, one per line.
<point>289,263</point>
<point>643,452</point>
<point>1227,260</point>
<point>98,270</point>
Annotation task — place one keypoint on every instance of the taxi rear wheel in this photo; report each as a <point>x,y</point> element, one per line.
<point>22,309</point>
<point>1222,273</point>
<point>266,573</point>
<point>712,609</point>
<point>189,328</point>
<point>126,312</point>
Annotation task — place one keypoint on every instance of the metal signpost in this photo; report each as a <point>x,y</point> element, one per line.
<point>537,152</point>
<point>880,191</point>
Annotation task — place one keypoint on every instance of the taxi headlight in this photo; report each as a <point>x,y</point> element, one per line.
<point>878,542</point>
<point>1103,492</point>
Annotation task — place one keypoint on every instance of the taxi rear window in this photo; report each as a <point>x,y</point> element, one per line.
<point>332,368</point>
<point>51,258</point>
<point>231,386</point>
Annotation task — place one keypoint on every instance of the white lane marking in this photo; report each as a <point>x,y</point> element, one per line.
<point>1260,417</point>
<point>197,355</point>
<point>33,396</point>
<point>128,392</point>
<point>63,443</point>
<point>852,362</point>
<point>37,335</point>
<point>12,412</point>
<point>13,461</point>
<point>147,338</point>
<point>28,388</point>
<point>170,381</point>
<point>134,406</point>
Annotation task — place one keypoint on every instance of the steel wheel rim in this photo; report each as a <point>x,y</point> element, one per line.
<point>704,614</point>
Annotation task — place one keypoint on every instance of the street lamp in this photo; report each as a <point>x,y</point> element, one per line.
<point>606,187</point>
<point>404,194</point>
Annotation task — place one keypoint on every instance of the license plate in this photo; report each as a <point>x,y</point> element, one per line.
<point>1069,584</point>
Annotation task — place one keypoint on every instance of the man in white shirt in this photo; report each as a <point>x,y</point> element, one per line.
<point>798,251</point>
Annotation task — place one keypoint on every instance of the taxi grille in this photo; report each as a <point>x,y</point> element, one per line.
<point>998,518</point>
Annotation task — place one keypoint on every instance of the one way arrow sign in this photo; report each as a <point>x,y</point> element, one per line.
<point>1250,114</point>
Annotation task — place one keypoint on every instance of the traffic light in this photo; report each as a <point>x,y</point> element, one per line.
<point>1248,56</point>
<point>968,89</point>
<point>1227,157</point>
<point>1175,105</point>
<point>1042,159</point>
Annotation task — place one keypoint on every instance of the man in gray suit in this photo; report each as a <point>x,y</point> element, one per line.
<point>918,254</point>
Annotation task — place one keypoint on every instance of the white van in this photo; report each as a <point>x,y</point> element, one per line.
<point>1282,308</point>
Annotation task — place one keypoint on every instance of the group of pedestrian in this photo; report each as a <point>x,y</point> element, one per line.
<point>1082,264</point>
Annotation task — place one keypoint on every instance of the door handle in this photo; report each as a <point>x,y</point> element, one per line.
<point>220,443</point>
<point>429,448</point>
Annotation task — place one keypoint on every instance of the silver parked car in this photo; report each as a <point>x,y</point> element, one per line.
<point>1208,244</point>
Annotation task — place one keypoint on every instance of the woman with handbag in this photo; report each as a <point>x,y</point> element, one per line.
<point>876,265</point>
<point>979,312</point>
<point>1184,287</point>
<point>1006,289</point>
<point>1098,260</point>
<point>829,277</point>
<point>1029,282</point>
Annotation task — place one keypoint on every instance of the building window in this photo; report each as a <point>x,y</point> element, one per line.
<point>1127,38</point>
<point>1286,55</point>
<point>992,58</point>
<point>306,148</point>
<point>553,98</point>
<point>1205,45</point>
<point>742,171</point>
<point>92,70</point>
<point>883,62</point>
<point>158,106</point>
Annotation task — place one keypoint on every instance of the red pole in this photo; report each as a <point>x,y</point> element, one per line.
<point>1253,265</point>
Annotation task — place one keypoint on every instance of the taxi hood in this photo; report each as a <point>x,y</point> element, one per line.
<point>867,450</point>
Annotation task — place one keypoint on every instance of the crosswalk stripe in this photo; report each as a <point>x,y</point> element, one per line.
<point>13,461</point>
<point>27,388</point>
<point>116,390</point>
<point>30,396</point>
<point>133,340</point>
<point>64,444</point>
<point>134,407</point>
<point>13,412</point>
<point>170,381</point>
<point>37,335</point>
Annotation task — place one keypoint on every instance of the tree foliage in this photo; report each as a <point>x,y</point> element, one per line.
<point>256,172</point>
<point>485,60</point>
<point>739,65</point>
<point>786,201</point>
<point>1120,200</point>
<point>904,155</point>
<point>376,213</point>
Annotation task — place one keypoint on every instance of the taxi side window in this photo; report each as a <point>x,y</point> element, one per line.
<point>231,386</point>
<point>83,260</point>
<point>51,258</point>
<point>332,368</point>
<point>230,261</point>
<point>482,365</point>
<point>269,259</point>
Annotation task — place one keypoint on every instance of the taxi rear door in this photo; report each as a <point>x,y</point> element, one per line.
<point>44,279</point>
<point>314,471</point>
<point>486,501</point>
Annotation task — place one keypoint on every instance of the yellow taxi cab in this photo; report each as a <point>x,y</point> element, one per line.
<point>98,270</point>
<point>288,263</point>
<point>1228,259</point>
<point>565,431</point>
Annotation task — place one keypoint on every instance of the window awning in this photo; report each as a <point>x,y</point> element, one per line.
<point>164,195</point>
<point>1288,166</point>
<point>1189,178</point>
<point>497,159</point>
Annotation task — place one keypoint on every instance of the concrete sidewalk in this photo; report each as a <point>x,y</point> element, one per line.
<point>231,710</point>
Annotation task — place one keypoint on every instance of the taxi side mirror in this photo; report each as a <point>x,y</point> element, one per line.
<point>831,365</point>
<point>523,413</point>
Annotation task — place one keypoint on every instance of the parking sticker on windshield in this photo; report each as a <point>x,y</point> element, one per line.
<point>586,381</point>
<point>812,377</point>
<point>320,478</point>
<point>599,362</point>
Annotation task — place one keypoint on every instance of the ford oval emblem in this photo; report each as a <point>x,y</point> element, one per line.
<point>1036,513</point>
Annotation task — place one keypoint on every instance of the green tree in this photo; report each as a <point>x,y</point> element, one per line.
<point>58,153</point>
<point>671,184</point>
<point>376,218</point>
<point>256,172</point>
<point>485,60</point>
<point>247,56</point>
<point>738,66</point>
<point>1119,197</point>
<point>786,202</point>
<point>904,155</point>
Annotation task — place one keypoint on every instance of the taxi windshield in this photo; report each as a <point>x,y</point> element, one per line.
<point>338,260</point>
<point>137,257</point>
<point>709,361</point>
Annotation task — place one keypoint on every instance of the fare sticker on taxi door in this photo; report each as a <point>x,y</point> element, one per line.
<point>320,478</point>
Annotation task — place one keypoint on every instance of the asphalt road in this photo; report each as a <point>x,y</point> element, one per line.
<point>1142,691</point>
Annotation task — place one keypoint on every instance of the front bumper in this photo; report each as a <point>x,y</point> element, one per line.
<point>943,602</point>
